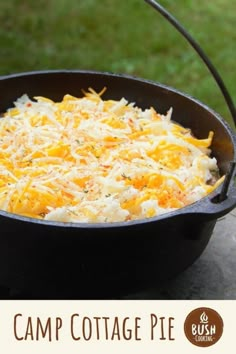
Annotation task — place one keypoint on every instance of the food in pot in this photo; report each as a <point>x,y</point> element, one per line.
<point>85,159</point>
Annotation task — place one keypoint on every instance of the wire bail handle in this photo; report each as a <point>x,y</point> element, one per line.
<point>201,53</point>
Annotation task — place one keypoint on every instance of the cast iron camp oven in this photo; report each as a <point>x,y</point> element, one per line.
<point>49,259</point>
<point>110,259</point>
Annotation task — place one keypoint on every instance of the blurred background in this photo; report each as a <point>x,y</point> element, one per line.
<point>124,36</point>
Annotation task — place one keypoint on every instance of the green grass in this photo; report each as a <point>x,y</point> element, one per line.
<point>125,36</point>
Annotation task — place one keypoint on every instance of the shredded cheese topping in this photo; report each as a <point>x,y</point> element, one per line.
<point>92,160</point>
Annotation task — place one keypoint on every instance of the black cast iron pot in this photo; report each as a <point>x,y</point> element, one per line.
<point>45,259</point>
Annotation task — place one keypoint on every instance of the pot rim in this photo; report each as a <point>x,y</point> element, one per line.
<point>193,208</point>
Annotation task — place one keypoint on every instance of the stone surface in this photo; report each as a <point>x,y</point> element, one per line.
<point>212,276</point>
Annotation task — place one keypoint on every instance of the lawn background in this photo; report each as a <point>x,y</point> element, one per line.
<point>124,36</point>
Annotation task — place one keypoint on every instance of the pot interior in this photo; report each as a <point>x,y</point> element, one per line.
<point>186,110</point>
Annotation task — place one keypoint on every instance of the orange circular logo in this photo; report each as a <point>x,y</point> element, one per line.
<point>203,327</point>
